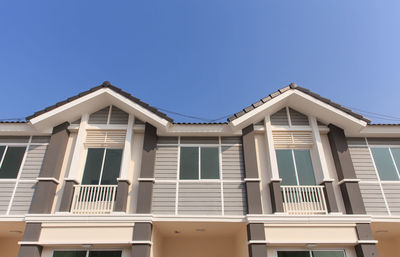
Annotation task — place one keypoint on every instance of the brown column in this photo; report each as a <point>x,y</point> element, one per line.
<point>141,246</point>
<point>146,180</point>
<point>367,245</point>
<point>330,196</point>
<point>344,167</point>
<point>28,247</point>
<point>276,196</point>
<point>68,193</point>
<point>46,186</point>
<point>122,196</point>
<point>252,180</point>
<point>256,238</point>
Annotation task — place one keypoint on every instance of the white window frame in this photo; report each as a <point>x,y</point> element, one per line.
<point>102,162</point>
<point>294,162</point>
<point>308,250</point>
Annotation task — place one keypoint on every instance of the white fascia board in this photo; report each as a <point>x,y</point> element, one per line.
<point>308,219</point>
<point>197,130</point>
<point>92,102</point>
<point>378,131</point>
<point>258,113</point>
<point>304,103</point>
<point>22,129</point>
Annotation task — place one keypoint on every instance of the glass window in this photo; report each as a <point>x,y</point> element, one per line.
<point>328,254</point>
<point>209,163</point>
<point>293,254</point>
<point>189,164</point>
<point>11,159</point>
<point>203,159</point>
<point>102,166</point>
<point>384,163</point>
<point>295,166</point>
<point>69,254</point>
<point>105,254</point>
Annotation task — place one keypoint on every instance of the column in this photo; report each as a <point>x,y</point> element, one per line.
<point>29,245</point>
<point>141,244</point>
<point>256,240</point>
<point>366,246</point>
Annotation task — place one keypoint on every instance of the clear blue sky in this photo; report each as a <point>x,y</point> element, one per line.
<point>206,58</point>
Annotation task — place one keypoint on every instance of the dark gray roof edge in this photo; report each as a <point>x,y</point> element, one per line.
<point>105,84</point>
<point>294,86</point>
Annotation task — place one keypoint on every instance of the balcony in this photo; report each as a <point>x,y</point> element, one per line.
<point>304,200</point>
<point>93,199</point>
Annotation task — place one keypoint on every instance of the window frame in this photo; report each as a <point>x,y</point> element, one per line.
<point>295,165</point>
<point>309,250</point>
<point>102,163</point>
<point>88,250</point>
<point>199,147</point>
<point>389,147</point>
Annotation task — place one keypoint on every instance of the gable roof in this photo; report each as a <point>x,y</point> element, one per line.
<point>105,84</point>
<point>294,86</point>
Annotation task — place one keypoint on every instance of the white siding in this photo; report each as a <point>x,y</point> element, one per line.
<point>234,198</point>
<point>280,118</point>
<point>166,162</point>
<point>23,198</point>
<point>33,162</point>
<point>164,197</point>
<point>392,193</point>
<point>232,162</point>
<point>6,190</point>
<point>373,198</point>
<point>199,198</point>
<point>363,163</point>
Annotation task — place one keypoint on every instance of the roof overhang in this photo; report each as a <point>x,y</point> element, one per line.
<point>306,104</point>
<point>92,102</point>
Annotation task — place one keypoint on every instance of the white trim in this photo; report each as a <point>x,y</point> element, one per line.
<point>21,168</point>
<point>4,156</point>
<point>367,241</point>
<point>351,180</point>
<point>271,154</point>
<point>76,243</point>
<point>221,176</point>
<point>76,162</point>
<point>127,153</point>
<point>178,176</point>
<point>321,160</point>
<point>141,242</point>
<point>48,179</point>
<point>288,116</point>
<point>109,114</point>
<point>257,242</point>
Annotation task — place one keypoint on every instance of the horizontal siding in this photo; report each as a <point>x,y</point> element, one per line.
<point>199,140</point>
<point>356,141</point>
<point>384,141</point>
<point>297,118</point>
<point>6,190</point>
<point>99,117</point>
<point>166,163</point>
<point>200,199</point>
<point>118,116</point>
<point>23,198</point>
<point>231,140</point>
<point>167,140</point>
<point>164,197</point>
<point>234,199</point>
<point>232,162</point>
<point>363,163</point>
<point>13,139</point>
<point>33,162</point>
<point>392,194</point>
<point>41,139</point>
<point>373,198</point>
<point>280,118</point>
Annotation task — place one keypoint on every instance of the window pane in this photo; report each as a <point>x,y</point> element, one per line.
<point>286,167</point>
<point>2,148</point>
<point>189,164</point>
<point>384,164</point>
<point>112,166</point>
<point>69,254</point>
<point>209,163</point>
<point>105,254</point>
<point>12,162</point>
<point>293,254</point>
<point>94,159</point>
<point>305,170</point>
<point>396,156</point>
<point>328,254</point>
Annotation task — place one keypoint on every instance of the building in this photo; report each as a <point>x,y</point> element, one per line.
<point>103,174</point>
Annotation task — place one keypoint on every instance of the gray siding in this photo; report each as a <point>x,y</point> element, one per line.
<point>234,198</point>
<point>384,141</point>
<point>232,162</point>
<point>33,162</point>
<point>166,162</point>
<point>200,198</point>
<point>164,197</point>
<point>392,194</point>
<point>99,117</point>
<point>373,198</point>
<point>6,190</point>
<point>118,116</point>
<point>199,140</point>
<point>363,163</point>
<point>23,198</point>
<point>297,118</point>
<point>280,118</point>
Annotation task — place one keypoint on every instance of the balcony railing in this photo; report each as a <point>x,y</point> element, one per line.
<point>93,199</point>
<point>304,200</point>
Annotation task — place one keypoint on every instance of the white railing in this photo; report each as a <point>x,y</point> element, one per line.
<point>304,200</point>
<point>93,199</point>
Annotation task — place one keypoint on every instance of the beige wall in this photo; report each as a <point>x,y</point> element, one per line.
<point>387,247</point>
<point>264,172</point>
<point>9,247</point>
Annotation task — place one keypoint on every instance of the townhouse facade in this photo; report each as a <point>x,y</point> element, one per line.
<point>103,174</point>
